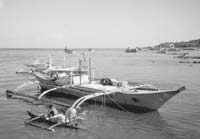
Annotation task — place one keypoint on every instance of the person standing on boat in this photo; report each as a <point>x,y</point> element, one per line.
<point>71,116</point>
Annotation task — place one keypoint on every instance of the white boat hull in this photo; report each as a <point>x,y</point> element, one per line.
<point>130,97</point>
<point>142,101</point>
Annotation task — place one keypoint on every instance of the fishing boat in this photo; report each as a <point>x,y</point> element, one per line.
<point>189,48</point>
<point>131,50</point>
<point>91,50</point>
<point>79,83</point>
<point>182,55</point>
<point>162,51</point>
<point>38,65</point>
<point>68,51</point>
<point>36,119</point>
<point>76,83</point>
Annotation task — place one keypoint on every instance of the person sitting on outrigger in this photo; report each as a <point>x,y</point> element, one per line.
<point>71,116</point>
<point>54,116</point>
<point>52,111</point>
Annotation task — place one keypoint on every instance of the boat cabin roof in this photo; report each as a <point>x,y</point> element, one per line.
<point>65,69</point>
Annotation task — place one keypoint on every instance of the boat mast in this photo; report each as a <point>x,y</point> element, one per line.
<point>71,78</point>
<point>50,61</point>
<point>80,66</point>
<point>90,70</point>
<point>64,59</point>
<point>65,56</point>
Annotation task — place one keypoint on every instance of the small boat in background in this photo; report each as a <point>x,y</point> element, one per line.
<point>162,51</point>
<point>91,50</point>
<point>189,48</point>
<point>38,65</point>
<point>68,51</point>
<point>131,50</point>
<point>182,55</point>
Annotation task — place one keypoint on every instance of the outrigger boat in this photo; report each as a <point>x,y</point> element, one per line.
<point>35,119</point>
<point>38,65</point>
<point>68,51</point>
<point>78,83</point>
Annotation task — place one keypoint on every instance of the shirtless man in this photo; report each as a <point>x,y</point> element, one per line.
<point>54,115</point>
<point>71,116</point>
<point>52,111</point>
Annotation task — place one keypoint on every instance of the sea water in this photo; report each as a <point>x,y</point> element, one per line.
<point>179,118</point>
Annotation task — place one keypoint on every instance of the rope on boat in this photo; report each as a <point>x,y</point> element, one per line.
<point>62,81</point>
<point>78,102</point>
<point>117,104</point>
<point>103,101</point>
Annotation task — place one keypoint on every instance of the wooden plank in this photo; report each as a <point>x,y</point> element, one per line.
<point>32,119</point>
<point>36,125</point>
<point>57,124</point>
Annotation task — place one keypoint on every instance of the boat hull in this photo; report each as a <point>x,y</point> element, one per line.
<point>133,102</point>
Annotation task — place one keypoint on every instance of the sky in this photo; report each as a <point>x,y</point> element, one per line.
<point>97,23</point>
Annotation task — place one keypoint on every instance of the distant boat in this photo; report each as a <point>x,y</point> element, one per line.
<point>131,50</point>
<point>38,65</point>
<point>173,49</point>
<point>189,48</point>
<point>91,50</point>
<point>162,51</point>
<point>69,51</point>
<point>182,55</point>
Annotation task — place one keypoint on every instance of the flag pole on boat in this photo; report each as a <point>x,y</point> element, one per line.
<point>64,58</point>
<point>90,70</point>
<point>80,66</point>
<point>50,61</point>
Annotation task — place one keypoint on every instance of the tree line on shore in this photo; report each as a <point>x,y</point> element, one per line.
<point>182,44</point>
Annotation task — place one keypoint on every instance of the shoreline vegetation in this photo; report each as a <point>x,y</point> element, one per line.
<point>182,44</point>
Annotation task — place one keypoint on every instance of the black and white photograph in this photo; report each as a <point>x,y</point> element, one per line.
<point>99,69</point>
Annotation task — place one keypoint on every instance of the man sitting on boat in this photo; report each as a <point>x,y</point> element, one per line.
<point>52,111</point>
<point>58,118</point>
<point>71,116</point>
<point>53,115</point>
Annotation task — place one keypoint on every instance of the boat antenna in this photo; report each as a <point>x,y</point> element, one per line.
<point>50,61</point>
<point>65,56</point>
<point>90,70</point>
<point>84,57</point>
<point>80,66</point>
<point>64,60</point>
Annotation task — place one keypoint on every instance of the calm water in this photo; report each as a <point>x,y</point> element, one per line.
<point>178,118</point>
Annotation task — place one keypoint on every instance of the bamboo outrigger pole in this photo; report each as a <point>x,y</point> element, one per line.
<point>10,93</point>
